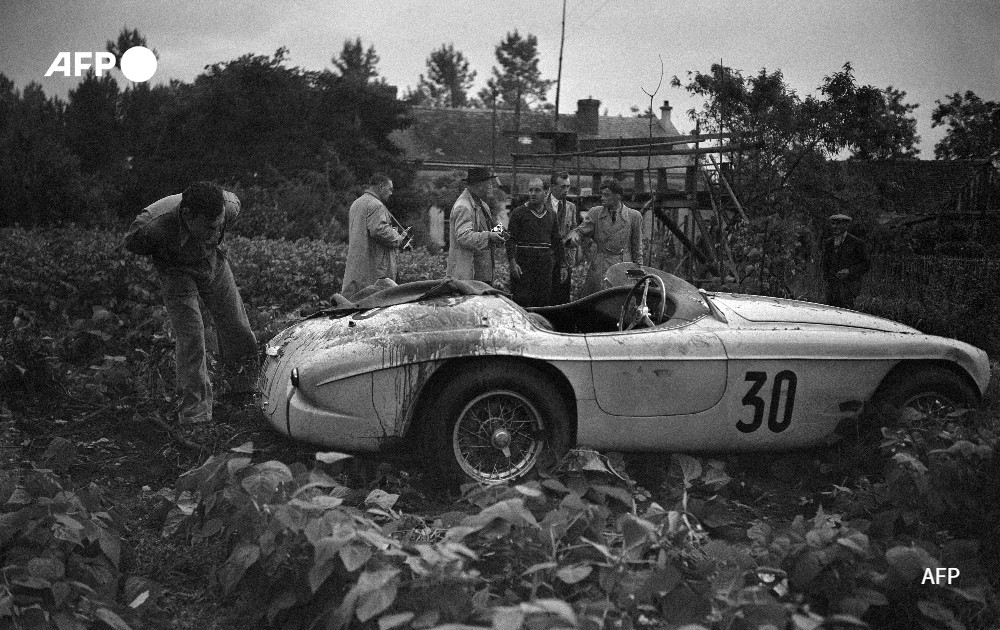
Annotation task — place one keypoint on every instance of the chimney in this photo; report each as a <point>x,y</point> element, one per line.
<point>665,112</point>
<point>587,116</point>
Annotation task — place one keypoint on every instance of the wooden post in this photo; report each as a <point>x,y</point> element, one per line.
<point>683,238</point>
<point>724,225</point>
<point>722,178</point>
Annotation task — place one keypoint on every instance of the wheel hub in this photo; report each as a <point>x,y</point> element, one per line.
<point>501,439</point>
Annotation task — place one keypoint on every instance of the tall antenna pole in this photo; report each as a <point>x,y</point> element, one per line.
<point>562,40</point>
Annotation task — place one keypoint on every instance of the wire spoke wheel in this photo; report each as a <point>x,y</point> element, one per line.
<point>924,398</point>
<point>497,436</point>
<point>932,407</point>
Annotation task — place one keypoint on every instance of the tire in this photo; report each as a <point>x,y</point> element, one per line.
<point>491,406</point>
<point>931,392</point>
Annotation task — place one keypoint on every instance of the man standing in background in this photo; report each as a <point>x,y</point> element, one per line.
<point>616,231</point>
<point>845,263</point>
<point>562,270</point>
<point>372,241</point>
<point>471,243</point>
<point>534,246</point>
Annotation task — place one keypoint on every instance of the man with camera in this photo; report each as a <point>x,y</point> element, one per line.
<point>473,238</point>
<point>372,241</point>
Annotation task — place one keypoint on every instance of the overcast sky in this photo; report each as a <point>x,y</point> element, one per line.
<point>929,49</point>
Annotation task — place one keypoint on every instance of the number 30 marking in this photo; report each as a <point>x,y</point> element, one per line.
<point>751,399</point>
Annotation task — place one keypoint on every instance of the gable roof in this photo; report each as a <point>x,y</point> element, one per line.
<point>462,137</point>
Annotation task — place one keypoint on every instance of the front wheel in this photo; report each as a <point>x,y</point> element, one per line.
<point>925,396</point>
<point>495,421</point>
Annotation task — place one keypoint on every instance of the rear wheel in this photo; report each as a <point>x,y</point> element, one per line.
<point>493,422</point>
<point>925,396</point>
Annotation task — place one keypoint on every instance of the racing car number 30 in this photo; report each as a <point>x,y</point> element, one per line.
<point>783,380</point>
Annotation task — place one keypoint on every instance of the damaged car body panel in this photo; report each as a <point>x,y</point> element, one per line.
<point>485,381</point>
<point>369,368</point>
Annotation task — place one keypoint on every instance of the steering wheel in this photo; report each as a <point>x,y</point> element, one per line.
<point>640,313</point>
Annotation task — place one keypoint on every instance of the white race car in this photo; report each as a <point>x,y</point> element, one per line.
<point>482,386</point>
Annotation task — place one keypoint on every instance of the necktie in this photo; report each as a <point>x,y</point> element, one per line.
<point>561,212</point>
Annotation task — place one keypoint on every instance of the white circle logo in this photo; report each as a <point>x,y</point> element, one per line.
<point>138,64</point>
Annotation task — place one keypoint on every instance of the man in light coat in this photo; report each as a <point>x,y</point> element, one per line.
<point>471,243</point>
<point>616,231</point>
<point>372,241</point>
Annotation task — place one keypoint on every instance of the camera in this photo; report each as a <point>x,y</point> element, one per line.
<point>502,231</point>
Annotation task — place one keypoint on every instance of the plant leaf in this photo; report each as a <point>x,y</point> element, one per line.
<point>242,558</point>
<point>265,480</point>
<point>388,622</point>
<point>574,573</point>
<point>332,457</point>
<point>355,555</point>
<point>690,467</point>
<point>381,498</point>
<point>110,618</point>
<point>375,601</point>
<point>910,562</point>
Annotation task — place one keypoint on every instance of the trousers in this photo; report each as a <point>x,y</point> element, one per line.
<point>237,344</point>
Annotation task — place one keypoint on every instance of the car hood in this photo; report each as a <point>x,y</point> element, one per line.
<point>768,310</point>
<point>345,343</point>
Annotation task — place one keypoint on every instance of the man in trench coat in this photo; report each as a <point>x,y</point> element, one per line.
<point>372,241</point>
<point>616,231</point>
<point>471,243</point>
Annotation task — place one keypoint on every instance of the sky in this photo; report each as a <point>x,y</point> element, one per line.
<point>613,48</point>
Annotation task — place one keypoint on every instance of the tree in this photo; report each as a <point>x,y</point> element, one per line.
<point>40,178</point>
<point>972,127</point>
<point>355,64</point>
<point>640,113</point>
<point>126,39</point>
<point>448,78</point>
<point>518,79</point>
<point>93,126</point>
<point>873,124</point>
<point>794,132</point>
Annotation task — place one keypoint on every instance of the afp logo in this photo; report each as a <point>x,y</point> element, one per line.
<point>138,63</point>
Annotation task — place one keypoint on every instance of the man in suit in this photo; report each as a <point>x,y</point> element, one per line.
<point>565,211</point>
<point>845,263</point>
<point>616,231</point>
<point>471,243</point>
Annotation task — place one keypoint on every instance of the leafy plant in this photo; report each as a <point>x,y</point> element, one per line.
<point>62,555</point>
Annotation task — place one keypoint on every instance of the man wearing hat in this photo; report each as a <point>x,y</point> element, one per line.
<point>844,263</point>
<point>616,231</point>
<point>471,244</point>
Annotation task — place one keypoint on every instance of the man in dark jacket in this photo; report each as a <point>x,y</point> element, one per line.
<point>844,263</point>
<point>182,234</point>
<point>533,249</point>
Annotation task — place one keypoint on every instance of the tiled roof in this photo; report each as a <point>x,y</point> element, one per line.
<point>465,137</point>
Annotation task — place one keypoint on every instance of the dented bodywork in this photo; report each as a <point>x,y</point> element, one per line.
<point>721,372</point>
